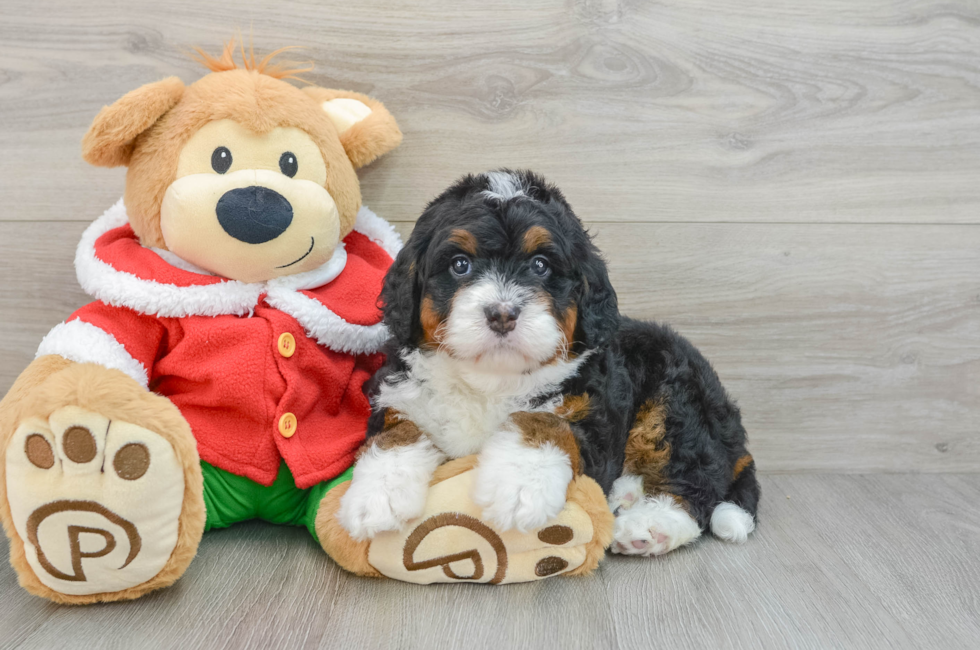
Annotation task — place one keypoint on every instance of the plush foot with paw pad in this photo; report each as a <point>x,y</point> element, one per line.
<point>452,542</point>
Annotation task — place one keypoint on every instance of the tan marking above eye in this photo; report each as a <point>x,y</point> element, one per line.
<point>79,444</point>
<point>536,237</point>
<point>38,451</point>
<point>464,239</point>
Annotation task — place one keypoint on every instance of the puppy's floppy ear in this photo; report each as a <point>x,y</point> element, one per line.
<point>598,306</point>
<point>401,294</point>
<point>366,128</point>
<point>109,141</point>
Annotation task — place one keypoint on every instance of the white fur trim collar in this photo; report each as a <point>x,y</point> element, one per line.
<point>379,231</point>
<point>120,289</point>
<point>230,297</point>
<point>325,326</point>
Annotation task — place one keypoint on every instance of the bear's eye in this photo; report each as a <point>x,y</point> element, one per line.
<point>288,164</point>
<point>221,160</point>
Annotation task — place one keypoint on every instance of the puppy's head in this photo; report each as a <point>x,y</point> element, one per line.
<point>499,272</point>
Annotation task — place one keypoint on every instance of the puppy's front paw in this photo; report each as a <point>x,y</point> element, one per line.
<point>371,508</point>
<point>519,486</point>
<point>388,489</point>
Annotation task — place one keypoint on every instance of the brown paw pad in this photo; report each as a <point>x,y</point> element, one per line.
<point>549,566</point>
<point>556,535</point>
<point>79,445</point>
<point>39,451</point>
<point>131,461</point>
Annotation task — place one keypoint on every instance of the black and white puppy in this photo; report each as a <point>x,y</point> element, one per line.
<point>507,342</point>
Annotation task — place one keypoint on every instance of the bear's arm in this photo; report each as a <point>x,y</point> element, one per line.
<point>113,337</point>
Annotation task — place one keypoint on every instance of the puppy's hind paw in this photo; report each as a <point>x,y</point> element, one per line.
<point>625,492</point>
<point>654,526</point>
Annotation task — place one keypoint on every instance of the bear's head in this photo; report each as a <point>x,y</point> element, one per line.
<point>241,173</point>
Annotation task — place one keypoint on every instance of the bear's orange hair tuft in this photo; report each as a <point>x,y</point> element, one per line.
<point>225,62</point>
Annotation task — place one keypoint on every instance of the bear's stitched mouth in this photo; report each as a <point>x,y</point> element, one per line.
<point>312,241</point>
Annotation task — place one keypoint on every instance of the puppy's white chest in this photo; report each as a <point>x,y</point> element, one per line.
<point>458,411</point>
<point>456,419</point>
<point>471,421</point>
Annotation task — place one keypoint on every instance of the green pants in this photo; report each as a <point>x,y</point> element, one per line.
<point>230,499</point>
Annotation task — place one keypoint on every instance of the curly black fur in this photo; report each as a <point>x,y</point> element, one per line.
<point>629,362</point>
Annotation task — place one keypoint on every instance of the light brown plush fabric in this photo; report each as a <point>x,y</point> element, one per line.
<point>109,141</point>
<point>354,556</point>
<point>348,553</point>
<point>149,126</point>
<point>257,102</point>
<point>454,468</point>
<point>586,493</point>
<point>12,412</point>
<point>146,129</point>
<point>374,136</point>
<point>51,383</point>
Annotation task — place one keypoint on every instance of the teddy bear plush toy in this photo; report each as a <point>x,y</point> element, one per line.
<point>218,375</point>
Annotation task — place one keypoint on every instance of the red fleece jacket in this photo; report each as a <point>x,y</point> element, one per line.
<point>262,372</point>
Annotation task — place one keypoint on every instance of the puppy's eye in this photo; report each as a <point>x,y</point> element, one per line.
<point>460,266</point>
<point>288,164</point>
<point>221,160</point>
<point>540,266</point>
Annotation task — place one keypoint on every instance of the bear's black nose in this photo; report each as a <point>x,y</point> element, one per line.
<point>254,214</point>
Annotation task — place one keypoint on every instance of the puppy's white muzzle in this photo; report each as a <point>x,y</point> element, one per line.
<point>502,326</point>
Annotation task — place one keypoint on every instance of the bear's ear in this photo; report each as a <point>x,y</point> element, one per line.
<point>109,141</point>
<point>367,130</point>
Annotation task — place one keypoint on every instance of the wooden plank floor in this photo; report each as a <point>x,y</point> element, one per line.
<point>873,561</point>
<point>681,110</point>
<point>793,185</point>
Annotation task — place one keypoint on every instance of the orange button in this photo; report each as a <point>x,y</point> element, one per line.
<point>287,344</point>
<point>287,425</point>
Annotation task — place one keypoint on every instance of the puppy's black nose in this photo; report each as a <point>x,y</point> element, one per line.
<point>254,214</point>
<point>502,318</point>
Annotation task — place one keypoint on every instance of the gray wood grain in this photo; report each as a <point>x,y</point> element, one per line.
<point>794,186</point>
<point>682,110</point>
<point>849,347</point>
<point>881,561</point>
<point>839,561</point>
